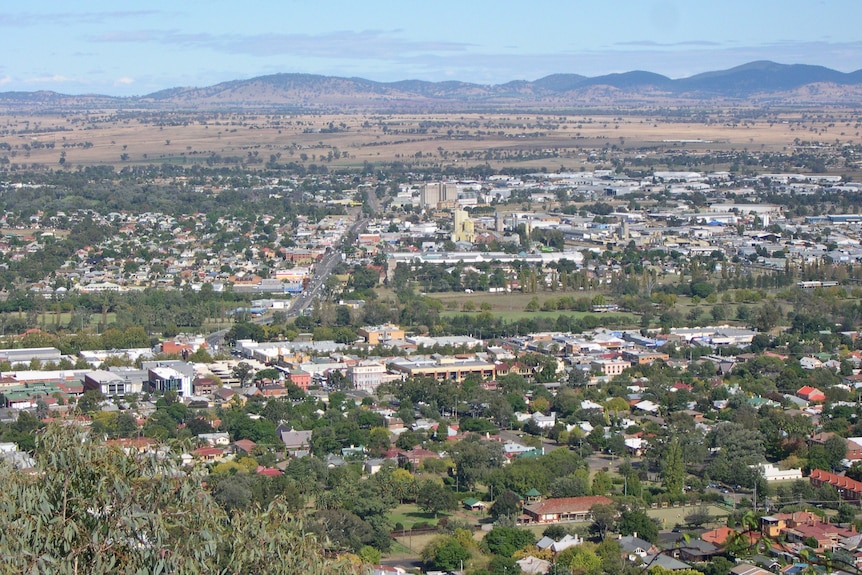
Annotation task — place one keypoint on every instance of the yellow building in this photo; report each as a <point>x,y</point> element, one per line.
<point>381,333</point>
<point>463,230</point>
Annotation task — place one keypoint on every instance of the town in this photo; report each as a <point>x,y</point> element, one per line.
<point>588,370</point>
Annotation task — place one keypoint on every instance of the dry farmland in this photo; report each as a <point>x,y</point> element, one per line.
<point>500,140</point>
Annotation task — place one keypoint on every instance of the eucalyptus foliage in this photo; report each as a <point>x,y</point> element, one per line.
<point>90,508</point>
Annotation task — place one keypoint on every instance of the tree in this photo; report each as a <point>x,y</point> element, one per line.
<point>673,468</point>
<point>507,504</point>
<point>474,458</point>
<point>506,540</point>
<point>103,514</point>
<point>698,517</point>
<point>127,426</point>
<point>343,529</point>
<point>637,521</point>
<point>90,401</point>
<point>602,483</point>
<point>501,565</point>
<point>836,450</point>
<point>575,485</point>
<point>446,553</point>
<point>434,497</point>
<point>581,559</point>
<point>370,555</point>
<point>846,513</point>
<point>604,515</point>
<point>242,372</point>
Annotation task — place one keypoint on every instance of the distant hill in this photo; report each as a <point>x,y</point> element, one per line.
<point>756,82</point>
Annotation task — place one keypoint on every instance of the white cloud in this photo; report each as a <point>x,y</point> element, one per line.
<point>124,81</point>
<point>53,79</point>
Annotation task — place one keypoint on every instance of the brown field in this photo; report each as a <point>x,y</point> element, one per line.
<point>424,140</point>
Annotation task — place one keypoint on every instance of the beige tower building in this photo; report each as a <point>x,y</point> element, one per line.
<point>431,194</point>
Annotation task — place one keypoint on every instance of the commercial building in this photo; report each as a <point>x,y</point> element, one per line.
<point>366,375</point>
<point>110,383</point>
<point>444,367</point>
<point>381,334</point>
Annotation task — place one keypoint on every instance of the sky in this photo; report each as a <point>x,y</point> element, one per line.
<point>138,47</point>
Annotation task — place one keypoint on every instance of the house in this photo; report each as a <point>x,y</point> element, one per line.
<point>110,384</point>
<point>847,488</point>
<point>226,394</point>
<point>204,386</point>
<point>771,472</point>
<point>827,535</point>
<point>163,378</point>
<point>385,570</point>
<point>366,375</point>
<point>208,453</point>
<point>373,465</point>
<point>810,363</point>
<point>749,569</point>
<point>633,546</point>
<point>562,509</point>
<point>244,446</point>
<point>609,367</point>
<point>381,334</point>
<point>718,536</point>
<point>566,542</point>
<point>810,394</point>
<point>268,471</point>
<point>213,439</point>
<point>297,443</point>
<point>416,456</point>
<point>533,566</point>
<point>697,550</point>
<point>665,561</point>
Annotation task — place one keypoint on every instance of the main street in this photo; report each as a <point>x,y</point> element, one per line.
<point>322,271</point>
<point>315,286</point>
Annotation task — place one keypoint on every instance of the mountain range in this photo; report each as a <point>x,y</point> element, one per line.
<point>755,83</point>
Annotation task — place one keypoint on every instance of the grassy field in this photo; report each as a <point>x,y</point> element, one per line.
<point>504,302</point>
<point>52,319</point>
<point>408,514</point>
<point>626,319</point>
<point>672,516</point>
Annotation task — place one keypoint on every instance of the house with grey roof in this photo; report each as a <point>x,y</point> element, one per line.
<point>297,443</point>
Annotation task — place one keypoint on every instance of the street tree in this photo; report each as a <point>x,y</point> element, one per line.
<point>242,371</point>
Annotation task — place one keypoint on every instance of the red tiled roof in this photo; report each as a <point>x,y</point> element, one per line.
<point>718,536</point>
<point>207,451</point>
<point>560,505</point>
<point>245,444</point>
<point>838,481</point>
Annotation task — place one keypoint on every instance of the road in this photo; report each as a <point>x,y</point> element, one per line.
<point>314,288</point>
<point>324,267</point>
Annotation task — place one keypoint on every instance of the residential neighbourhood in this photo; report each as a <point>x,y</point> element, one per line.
<point>537,363</point>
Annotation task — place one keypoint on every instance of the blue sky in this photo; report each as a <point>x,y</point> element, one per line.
<point>135,47</point>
